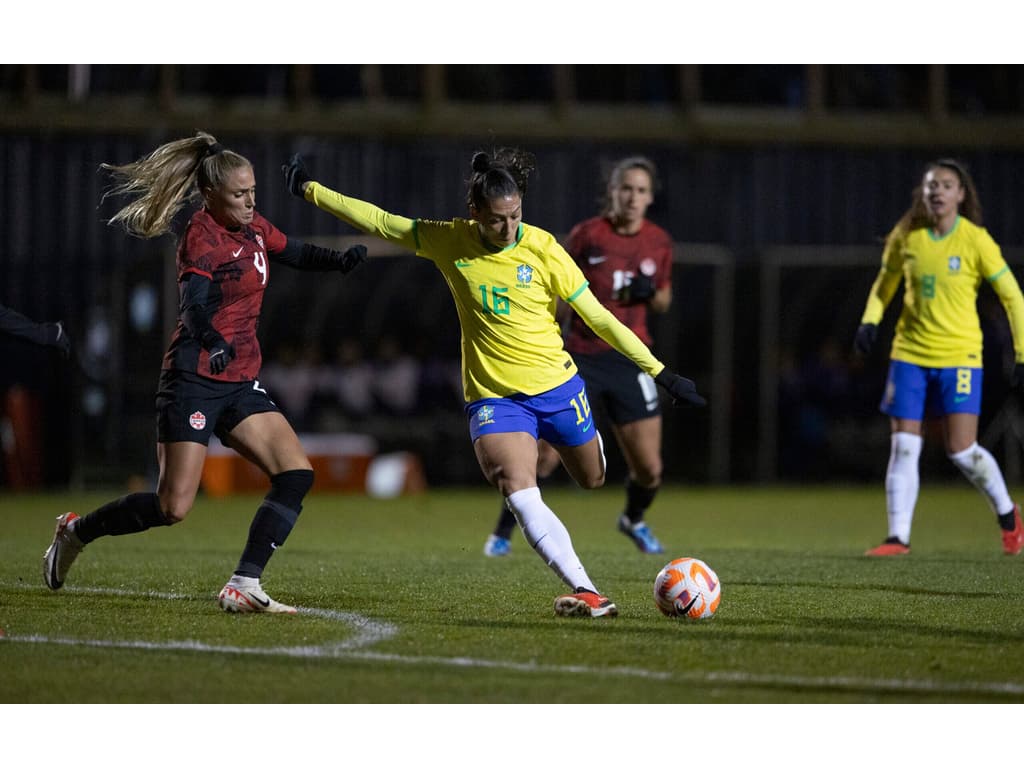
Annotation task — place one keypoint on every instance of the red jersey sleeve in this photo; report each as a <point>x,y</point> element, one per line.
<point>273,239</point>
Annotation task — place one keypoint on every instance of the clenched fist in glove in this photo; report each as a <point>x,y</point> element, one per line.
<point>296,175</point>
<point>221,353</point>
<point>682,390</point>
<point>640,289</point>
<point>352,258</point>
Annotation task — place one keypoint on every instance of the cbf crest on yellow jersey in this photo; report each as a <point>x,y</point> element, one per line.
<point>506,304</point>
<point>939,326</point>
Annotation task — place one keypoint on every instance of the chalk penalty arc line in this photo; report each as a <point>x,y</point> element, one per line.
<point>367,631</point>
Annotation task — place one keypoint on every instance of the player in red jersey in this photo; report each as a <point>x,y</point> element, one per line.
<point>209,379</point>
<point>628,262</point>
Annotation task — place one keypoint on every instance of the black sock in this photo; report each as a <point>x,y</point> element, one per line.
<point>1008,521</point>
<point>506,522</point>
<point>638,499</point>
<point>133,513</point>
<point>290,488</point>
<point>274,520</point>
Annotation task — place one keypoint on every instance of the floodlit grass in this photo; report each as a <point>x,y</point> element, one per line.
<point>401,606</point>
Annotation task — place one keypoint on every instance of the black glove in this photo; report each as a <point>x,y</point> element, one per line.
<point>640,288</point>
<point>58,337</point>
<point>295,175</point>
<point>352,258</point>
<point>221,353</point>
<point>683,391</point>
<point>865,338</point>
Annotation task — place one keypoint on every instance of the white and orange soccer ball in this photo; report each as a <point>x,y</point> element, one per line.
<point>687,588</point>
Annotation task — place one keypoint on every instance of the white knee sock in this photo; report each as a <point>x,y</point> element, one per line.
<point>548,537</point>
<point>980,467</point>
<point>902,482</point>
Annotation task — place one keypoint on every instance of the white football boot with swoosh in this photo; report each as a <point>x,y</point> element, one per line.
<point>243,594</point>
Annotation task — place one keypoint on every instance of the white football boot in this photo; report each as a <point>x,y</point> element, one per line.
<point>243,594</point>
<point>62,551</point>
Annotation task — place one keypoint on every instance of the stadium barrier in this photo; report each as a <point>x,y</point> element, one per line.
<point>342,463</point>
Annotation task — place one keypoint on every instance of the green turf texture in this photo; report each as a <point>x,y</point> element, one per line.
<point>804,616</point>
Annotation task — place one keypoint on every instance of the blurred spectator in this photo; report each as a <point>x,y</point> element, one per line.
<point>396,377</point>
<point>291,379</point>
<point>350,379</point>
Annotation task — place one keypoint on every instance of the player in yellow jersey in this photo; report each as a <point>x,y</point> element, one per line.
<point>942,253</point>
<point>520,384</point>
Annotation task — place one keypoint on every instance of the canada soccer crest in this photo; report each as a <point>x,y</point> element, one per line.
<point>197,420</point>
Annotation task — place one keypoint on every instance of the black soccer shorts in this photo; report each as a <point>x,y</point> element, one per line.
<point>191,408</point>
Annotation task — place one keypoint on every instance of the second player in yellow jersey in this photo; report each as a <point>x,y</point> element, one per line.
<point>941,252</point>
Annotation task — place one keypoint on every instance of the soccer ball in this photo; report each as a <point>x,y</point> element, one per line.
<point>687,587</point>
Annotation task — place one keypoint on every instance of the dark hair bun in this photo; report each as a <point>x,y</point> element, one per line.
<point>481,162</point>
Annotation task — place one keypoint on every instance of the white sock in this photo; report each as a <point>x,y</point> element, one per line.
<point>902,482</point>
<point>980,467</point>
<point>548,537</point>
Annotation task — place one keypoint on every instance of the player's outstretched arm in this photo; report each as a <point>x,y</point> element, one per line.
<point>360,214</point>
<point>314,258</point>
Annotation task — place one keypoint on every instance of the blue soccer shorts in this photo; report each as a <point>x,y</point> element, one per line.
<point>561,416</point>
<point>914,392</point>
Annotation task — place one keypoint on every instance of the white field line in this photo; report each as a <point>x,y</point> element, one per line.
<point>368,632</point>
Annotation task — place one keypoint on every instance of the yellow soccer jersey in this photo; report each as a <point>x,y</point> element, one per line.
<point>505,299</point>
<point>939,325</point>
<point>506,304</point>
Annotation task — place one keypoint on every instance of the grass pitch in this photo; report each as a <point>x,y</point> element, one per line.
<point>400,606</point>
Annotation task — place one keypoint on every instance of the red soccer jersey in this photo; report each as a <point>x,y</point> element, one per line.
<point>609,261</point>
<point>238,264</point>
